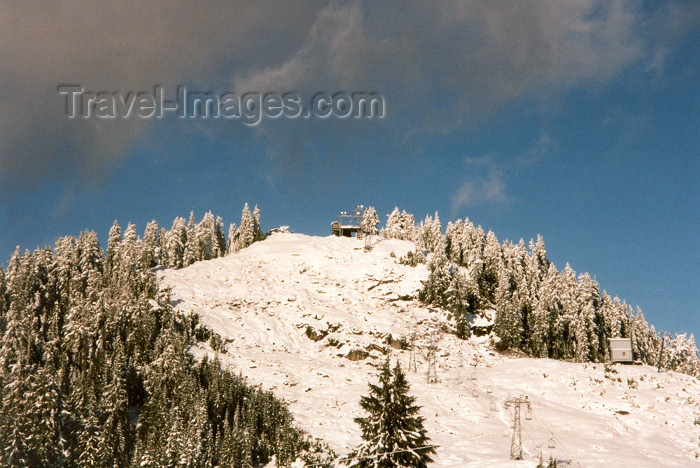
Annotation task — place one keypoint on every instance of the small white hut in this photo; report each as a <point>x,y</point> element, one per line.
<point>621,350</point>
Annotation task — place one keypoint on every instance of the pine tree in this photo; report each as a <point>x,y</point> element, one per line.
<point>91,266</point>
<point>257,230</point>
<point>492,264</point>
<point>568,318</point>
<point>249,231</point>
<point>235,446</point>
<point>399,225</point>
<point>3,303</point>
<point>392,432</point>
<point>392,224</point>
<point>115,238</point>
<point>682,355</point>
<point>220,237</point>
<point>430,233</point>
<point>89,434</point>
<point>129,259</point>
<point>369,222</point>
<point>175,243</point>
<point>150,256</point>
<point>512,307</point>
<point>454,242</point>
<point>192,249</point>
<point>206,233</point>
<point>232,239</point>
<point>435,288</point>
<point>591,328</point>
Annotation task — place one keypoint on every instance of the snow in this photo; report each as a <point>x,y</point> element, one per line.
<point>269,300</point>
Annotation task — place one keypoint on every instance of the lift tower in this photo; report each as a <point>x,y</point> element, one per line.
<point>516,444</point>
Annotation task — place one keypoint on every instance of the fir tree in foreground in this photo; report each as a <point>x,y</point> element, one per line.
<point>392,433</point>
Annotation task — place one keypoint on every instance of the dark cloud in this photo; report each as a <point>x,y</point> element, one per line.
<point>442,65</point>
<point>118,46</point>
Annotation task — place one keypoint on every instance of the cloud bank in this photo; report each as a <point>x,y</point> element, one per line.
<point>442,66</point>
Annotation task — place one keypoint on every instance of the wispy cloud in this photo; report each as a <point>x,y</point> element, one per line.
<point>479,191</point>
<point>486,176</point>
<point>542,148</point>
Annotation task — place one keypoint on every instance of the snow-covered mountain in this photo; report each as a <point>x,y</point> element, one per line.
<point>311,318</point>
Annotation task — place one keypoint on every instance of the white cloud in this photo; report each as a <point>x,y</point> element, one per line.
<point>480,190</point>
<point>486,180</point>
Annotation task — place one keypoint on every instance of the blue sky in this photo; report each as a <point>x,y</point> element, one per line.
<point>576,120</point>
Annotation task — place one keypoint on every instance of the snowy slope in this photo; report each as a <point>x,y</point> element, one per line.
<point>269,300</point>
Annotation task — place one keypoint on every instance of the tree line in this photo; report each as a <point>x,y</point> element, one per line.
<point>534,307</point>
<point>94,368</point>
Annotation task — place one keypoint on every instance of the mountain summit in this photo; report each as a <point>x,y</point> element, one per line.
<point>313,318</point>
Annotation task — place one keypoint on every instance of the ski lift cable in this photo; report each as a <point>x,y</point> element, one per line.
<point>484,375</point>
<point>559,443</point>
<point>532,440</point>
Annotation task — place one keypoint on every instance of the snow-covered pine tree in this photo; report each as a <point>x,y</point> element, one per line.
<point>208,244</point>
<point>90,264</point>
<point>392,432</point>
<point>538,252</point>
<point>645,341</point>
<point>220,237</point>
<point>113,446</point>
<point>89,436</point>
<point>435,288</point>
<point>568,318</point>
<point>456,241</point>
<point>235,446</point>
<point>399,225</point>
<point>552,463</point>
<point>77,355</point>
<point>129,261</point>
<point>549,303</point>
<point>162,240</point>
<point>682,355</point>
<point>150,256</point>
<point>370,220</point>
<point>474,255</point>
<point>175,243</point>
<point>247,229</point>
<point>192,249</point>
<point>3,303</point>
<point>257,230</point>
<point>589,309</point>
<point>491,265</point>
<point>232,239</point>
<point>512,306</point>
<point>408,226</point>
<point>462,300</point>
<point>15,372</point>
<point>115,237</point>
<point>430,233</point>
<point>452,249</point>
<point>392,224</point>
